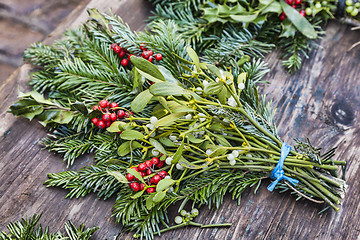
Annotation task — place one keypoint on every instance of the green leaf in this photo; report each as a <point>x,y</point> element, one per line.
<point>193,139</point>
<point>138,194</point>
<point>36,96</point>
<point>182,59</point>
<point>80,107</point>
<point>135,78</point>
<point>164,184</point>
<point>121,178</point>
<point>159,196</point>
<point>185,163</point>
<point>243,60</point>
<point>288,30</point>
<point>63,117</point>
<point>147,69</point>
<point>167,142</point>
<point>213,87</point>
<point>169,119</point>
<point>115,126</point>
<point>131,135</point>
<point>273,7</point>
<point>194,57</point>
<point>300,22</point>
<point>167,89</point>
<point>244,18</point>
<point>124,148</point>
<point>214,70</point>
<point>149,201</point>
<point>141,100</point>
<point>167,74</point>
<point>178,153</point>
<point>157,145</point>
<point>136,174</point>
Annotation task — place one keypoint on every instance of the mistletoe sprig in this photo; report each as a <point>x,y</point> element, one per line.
<point>197,132</point>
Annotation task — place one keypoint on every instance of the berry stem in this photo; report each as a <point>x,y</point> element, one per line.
<point>209,225</point>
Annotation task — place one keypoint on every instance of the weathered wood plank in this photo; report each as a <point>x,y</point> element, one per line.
<point>321,101</point>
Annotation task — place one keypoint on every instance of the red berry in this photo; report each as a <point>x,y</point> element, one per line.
<point>163,174</point>
<point>106,117</point>
<point>130,177</point>
<point>135,168</point>
<point>282,17</point>
<point>289,2</point>
<point>294,6</point>
<point>151,59</point>
<point>158,57</point>
<point>142,186</point>
<point>113,117</point>
<point>135,186</point>
<point>117,49</point>
<point>145,55</point>
<point>155,160</point>
<point>150,52</point>
<point>142,47</point>
<point>297,2</point>
<point>107,124</point>
<point>126,115</point>
<point>142,167</point>
<point>96,107</point>
<point>302,12</point>
<point>113,45</point>
<point>124,62</point>
<point>114,105</point>
<point>104,103</point>
<point>150,190</point>
<point>101,124</point>
<point>160,164</point>
<point>95,120</point>
<point>156,179</point>
<point>121,113</point>
<point>122,53</point>
<point>148,172</point>
<point>148,164</point>
<point>142,174</point>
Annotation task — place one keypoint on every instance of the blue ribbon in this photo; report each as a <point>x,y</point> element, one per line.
<point>278,173</point>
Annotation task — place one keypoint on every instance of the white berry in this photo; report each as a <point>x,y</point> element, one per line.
<point>168,160</point>
<point>232,162</point>
<point>178,220</point>
<point>241,86</point>
<point>209,151</point>
<point>202,115</point>
<point>235,153</point>
<point>155,152</point>
<point>188,116</point>
<point>205,83</point>
<point>179,166</point>
<point>230,157</point>
<point>153,120</point>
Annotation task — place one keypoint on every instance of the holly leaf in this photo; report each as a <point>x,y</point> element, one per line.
<point>288,30</point>
<point>80,107</point>
<point>300,22</point>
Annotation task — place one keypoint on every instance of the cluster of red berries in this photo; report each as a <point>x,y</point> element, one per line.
<point>147,169</point>
<point>295,4</point>
<point>123,53</point>
<point>149,55</point>
<point>110,114</point>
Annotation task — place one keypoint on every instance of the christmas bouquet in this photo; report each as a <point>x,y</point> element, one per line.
<point>165,125</point>
<point>224,28</point>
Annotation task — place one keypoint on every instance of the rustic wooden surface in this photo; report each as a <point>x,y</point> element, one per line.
<point>321,101</point>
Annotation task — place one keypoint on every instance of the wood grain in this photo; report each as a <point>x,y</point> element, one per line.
<point>321,101</point>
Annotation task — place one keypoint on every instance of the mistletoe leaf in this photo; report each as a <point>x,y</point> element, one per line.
<point>185,163</point>
<point>125,147</point>
<point>118,176</point>
<point>301,23</point>
<point>213,88</point>
<point>131,135</point>
<point>147,69</point>
<point>138,194</point>
<point>149,201</point>
<point>166,89</point>
<point>136,174</point>
<point>164,184</point>
<point>141,100</point>
<point>194,57</point>
<point>169,119</point>
<point>157,145</point>
<point>159,196</point>
<point>178,153</point>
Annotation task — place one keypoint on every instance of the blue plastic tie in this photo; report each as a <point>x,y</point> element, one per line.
<point>278,172</point>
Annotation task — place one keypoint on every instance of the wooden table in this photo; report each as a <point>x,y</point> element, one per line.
<point>321,101</point>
